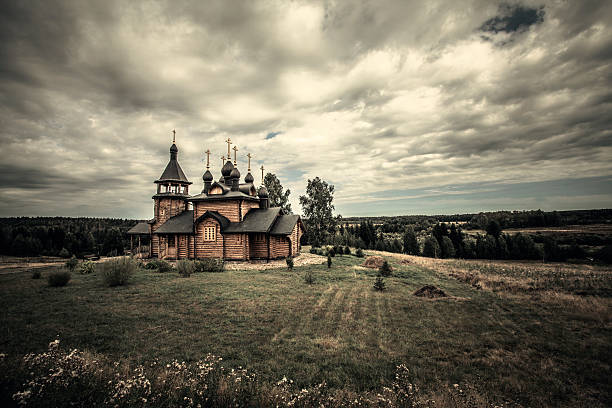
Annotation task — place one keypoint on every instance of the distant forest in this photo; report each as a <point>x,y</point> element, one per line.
<point>63,236</point>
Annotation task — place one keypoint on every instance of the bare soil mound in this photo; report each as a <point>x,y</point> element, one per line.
<point>431,292</point>
<point>374,262</point>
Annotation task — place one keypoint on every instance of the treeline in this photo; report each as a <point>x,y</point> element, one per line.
<point>63,236</point>
<point>443,240</point>
<point>506,219</point>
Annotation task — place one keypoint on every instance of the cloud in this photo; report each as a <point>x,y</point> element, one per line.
<point>369,96</point>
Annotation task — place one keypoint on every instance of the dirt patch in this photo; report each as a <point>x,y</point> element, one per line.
<point>405,262</point>
<point>431,292</point>
<point>373,262</point>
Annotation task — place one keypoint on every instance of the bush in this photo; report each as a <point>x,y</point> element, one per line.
<point>185,268</point>
<point>289,261</point>
<point>57,279</point>
<point>87,267</point>
<point>309,278</point>
<point>64,253</point>
<point>385,269</point>
<point>347,250</point>
<point>118,272</point>
<point>36,275</point>
<point>359,253</point>
<point>315,250</point>
<point>329,261</point>
<point>331,252</point>
<point>159,264</point>
<point>379,284</point>
<point>72,263</point>
<point>209,265</point>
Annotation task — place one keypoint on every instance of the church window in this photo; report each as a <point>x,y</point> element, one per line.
<point>210,233</point>
<point>171,240</point>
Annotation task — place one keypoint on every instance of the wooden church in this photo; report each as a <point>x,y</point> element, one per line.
<point>229,219</point>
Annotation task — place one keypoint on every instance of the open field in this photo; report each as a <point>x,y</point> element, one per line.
<point>602,229</point>
<point>531,333</point>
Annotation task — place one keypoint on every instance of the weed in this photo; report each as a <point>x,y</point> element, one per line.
<point>117,272</point>
<point>359,253</point>
<point>159,264</point>
<point>185,268</point>
<point>87,267</point>
<point>385,269</point>
<point>57,279</point>
<point>289,262</point>
<point>309,278</point>
<point>329,261</point>
<point>72,263</point>
<point>379,284</point>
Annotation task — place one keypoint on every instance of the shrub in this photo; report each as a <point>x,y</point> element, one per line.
<point>359,253</point>
<point>118,272</point>
<point>331,252</point>
<point>185,268</point>
<point>338,250</point>
<point>87,267</point>
<point>72,263</point>
<point>379,284</point>
<point>329,261</point>
<point>64,253</point>
<point>315,250</point>
<point>347,250</point>
<point>57,279</point>
<point>209,265</point>
<point>385,269</point>
<point>159,264</point>
<point>309,278</point>
<point>36,275</point>
<point>289,261</point>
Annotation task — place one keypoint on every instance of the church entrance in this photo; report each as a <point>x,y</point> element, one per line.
<point>171,252</point>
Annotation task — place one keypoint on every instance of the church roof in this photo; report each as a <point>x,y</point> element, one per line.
<point>139,229</point>
<point>179,224</point>
<point>224,196</point>
<point>222,220</point>
<point>256,220</point>
<point>173,171</point>
<point>284,225</point>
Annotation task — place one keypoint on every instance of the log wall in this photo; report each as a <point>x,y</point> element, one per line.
<point>228,209</point>
<point>258,245</point>
<point>236,246</point>
<point>208,249</point>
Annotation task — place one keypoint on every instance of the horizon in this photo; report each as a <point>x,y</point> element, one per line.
<point>449,108</point>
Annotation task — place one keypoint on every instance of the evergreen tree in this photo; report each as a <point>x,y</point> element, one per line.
<point>411,245</point>
<point>431,247</point>
<point>447,249</point>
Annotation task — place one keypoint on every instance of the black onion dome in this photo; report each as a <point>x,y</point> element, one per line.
<point>235,174</point>
<point>227,169</point>
<point>173,148</point>
<point>207,176</point>
<point>262,192</point>
<point>249,178</point>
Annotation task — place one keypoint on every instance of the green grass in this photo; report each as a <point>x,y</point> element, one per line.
<point>337,330</point>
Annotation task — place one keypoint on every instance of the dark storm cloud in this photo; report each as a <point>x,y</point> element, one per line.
<point>512,18</point>
<point>89,92</point>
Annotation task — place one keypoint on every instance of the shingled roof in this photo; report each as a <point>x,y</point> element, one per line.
<point>284,225</point>
<point>256,220</point>
<point>141,228</point>
<point>222,220</point>
<point>173,171</point>
<point>179,224</point>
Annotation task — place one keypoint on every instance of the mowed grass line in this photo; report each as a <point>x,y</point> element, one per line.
<point>338,330</point>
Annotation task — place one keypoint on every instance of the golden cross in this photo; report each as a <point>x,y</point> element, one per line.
<point>229,142</point>
<point>262,177</point>
<point>249,156</point>
<point>235,149</point>
<point>173,135</point>
<point>207,158</point>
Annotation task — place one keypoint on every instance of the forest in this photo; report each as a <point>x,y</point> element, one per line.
<point>63,236</point>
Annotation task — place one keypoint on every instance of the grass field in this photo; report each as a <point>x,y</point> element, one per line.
<point>521,332</point>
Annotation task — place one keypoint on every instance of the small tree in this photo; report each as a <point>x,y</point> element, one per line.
<point>347,250</point>
<point>289,262</point>
<point>494,229</point>
<point>447,248</point>
<point>329,261</point>
<point>318,208</point>
<point>359,253</point>
<point>379,284</point>
<point>385,269</point>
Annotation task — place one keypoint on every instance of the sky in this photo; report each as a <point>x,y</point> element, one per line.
<point>406,107</point>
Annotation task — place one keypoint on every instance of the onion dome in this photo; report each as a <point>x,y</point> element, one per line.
<point>207,176</point>
<point>235,174</point>
<point>262,192</point>
<point>249,178</point>
<point>227,169</point>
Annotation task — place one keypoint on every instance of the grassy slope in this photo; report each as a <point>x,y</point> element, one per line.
<point>338,330</point>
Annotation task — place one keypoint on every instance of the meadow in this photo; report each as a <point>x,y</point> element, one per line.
<point>509,334</point>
